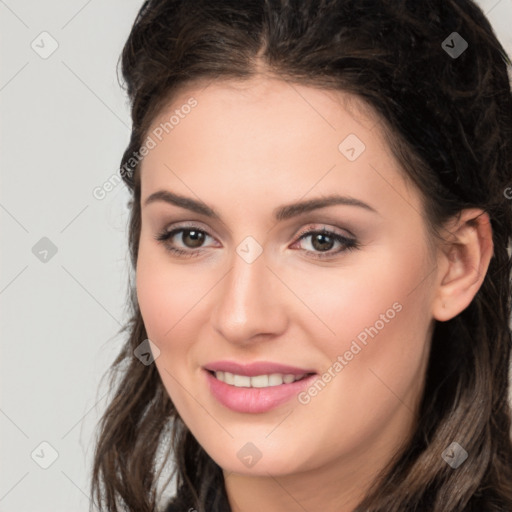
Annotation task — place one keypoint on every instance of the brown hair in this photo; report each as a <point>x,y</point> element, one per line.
<point>448,120</point>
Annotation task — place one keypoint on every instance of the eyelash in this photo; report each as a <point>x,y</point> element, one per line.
<point>350,244</point>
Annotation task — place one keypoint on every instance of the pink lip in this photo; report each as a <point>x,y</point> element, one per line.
<point>257,368</point>
<point>256,400</point>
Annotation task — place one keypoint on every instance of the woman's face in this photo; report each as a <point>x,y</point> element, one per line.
<point>257,283</point>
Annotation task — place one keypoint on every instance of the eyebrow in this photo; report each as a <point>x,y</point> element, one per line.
<point>281,213</point>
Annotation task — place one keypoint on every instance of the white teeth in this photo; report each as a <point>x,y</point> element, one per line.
<point>275,379</point>
<point>288,379</point>
<point>258,381</point>
<point>241,381</point>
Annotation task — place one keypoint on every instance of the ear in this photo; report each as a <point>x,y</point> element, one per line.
<point>462,262</point>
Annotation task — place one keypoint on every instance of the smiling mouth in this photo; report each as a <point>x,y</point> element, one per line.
<point>257,381</point>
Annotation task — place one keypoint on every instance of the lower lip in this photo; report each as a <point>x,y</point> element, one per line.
<point>255,400</point>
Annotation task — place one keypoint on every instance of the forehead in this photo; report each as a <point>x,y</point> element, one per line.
<point>262,93</point>
<point>266,137</point>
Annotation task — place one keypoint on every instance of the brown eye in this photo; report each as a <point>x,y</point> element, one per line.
<point>195,237</point>
<point>191,239</point>
<point>323,240</point>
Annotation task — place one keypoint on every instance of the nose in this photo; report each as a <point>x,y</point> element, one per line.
<point>250,302</point>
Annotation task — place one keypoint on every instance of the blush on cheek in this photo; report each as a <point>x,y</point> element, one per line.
<point>379,340</point>
<point>161,294</point>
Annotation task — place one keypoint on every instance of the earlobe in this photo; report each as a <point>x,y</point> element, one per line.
<point>463,262</point>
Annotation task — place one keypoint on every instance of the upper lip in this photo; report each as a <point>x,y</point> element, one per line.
<point>256,368</point>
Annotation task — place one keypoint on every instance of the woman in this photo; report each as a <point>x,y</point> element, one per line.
<point>319,232</point>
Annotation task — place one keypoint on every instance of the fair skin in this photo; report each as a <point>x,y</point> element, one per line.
<point>245,150</point>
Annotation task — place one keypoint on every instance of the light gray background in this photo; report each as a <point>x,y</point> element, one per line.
<point>64,126</point>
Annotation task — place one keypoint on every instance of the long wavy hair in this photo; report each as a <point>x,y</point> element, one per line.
<point>448,121</point>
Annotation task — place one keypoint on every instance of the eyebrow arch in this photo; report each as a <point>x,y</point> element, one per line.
<point>281,213</point>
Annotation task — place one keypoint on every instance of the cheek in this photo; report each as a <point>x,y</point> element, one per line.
<point>169,302</point>
<point>168,294</point>
<point>380,290</point>
<point>173,301</point>
<point>378,316</point>
<point>382,325</point>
